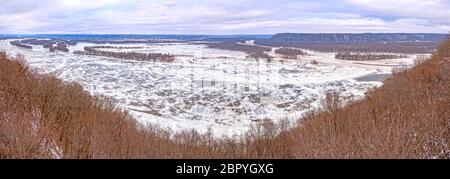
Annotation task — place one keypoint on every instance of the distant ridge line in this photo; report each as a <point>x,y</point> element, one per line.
<point>359,37</point>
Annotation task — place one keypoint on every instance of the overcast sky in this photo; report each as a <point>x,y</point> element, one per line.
<point>222,16</point>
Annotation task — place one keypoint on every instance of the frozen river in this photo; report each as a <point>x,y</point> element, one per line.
<point>204,88</point>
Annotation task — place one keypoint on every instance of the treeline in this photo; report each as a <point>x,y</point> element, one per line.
<point>290,53</point>
<point>151,57</point>
<point>106,41</point>
<point>252,51</point>
<point>115,47</point>
<point>52,45</point>
<point>388,47</point>
<point>260,55</point>
<point>59,47</point>
<point>47,43</point>
<point>19,44</point>
<point>353,37</point>
<point>366,56</point>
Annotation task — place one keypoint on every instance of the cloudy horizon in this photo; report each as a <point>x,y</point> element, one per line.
<point>220,17</point>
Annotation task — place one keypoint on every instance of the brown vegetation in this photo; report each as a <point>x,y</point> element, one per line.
<point>52,45</point>
<point>290,53</point>
<point>366,56</point>
<point>388,47</point>
<point>59,47</point>
<point>136,41</point>
<point>151,57</point>
<point>252,51</point>
<point>44,43</point>
<point>114,47</point>
<point>19,44</point>
<point>406,118</point>
<point>43,117</point>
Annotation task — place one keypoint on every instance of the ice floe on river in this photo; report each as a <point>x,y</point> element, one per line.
<point>205,88</point>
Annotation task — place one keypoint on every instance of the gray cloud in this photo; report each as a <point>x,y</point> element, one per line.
<point>222,16</point>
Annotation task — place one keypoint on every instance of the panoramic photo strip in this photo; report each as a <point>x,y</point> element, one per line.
<point>224,79</point>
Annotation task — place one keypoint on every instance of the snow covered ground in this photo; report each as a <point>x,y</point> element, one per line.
<point>208,88</point>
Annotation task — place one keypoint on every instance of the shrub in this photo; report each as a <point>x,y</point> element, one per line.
<point>290,53</point>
